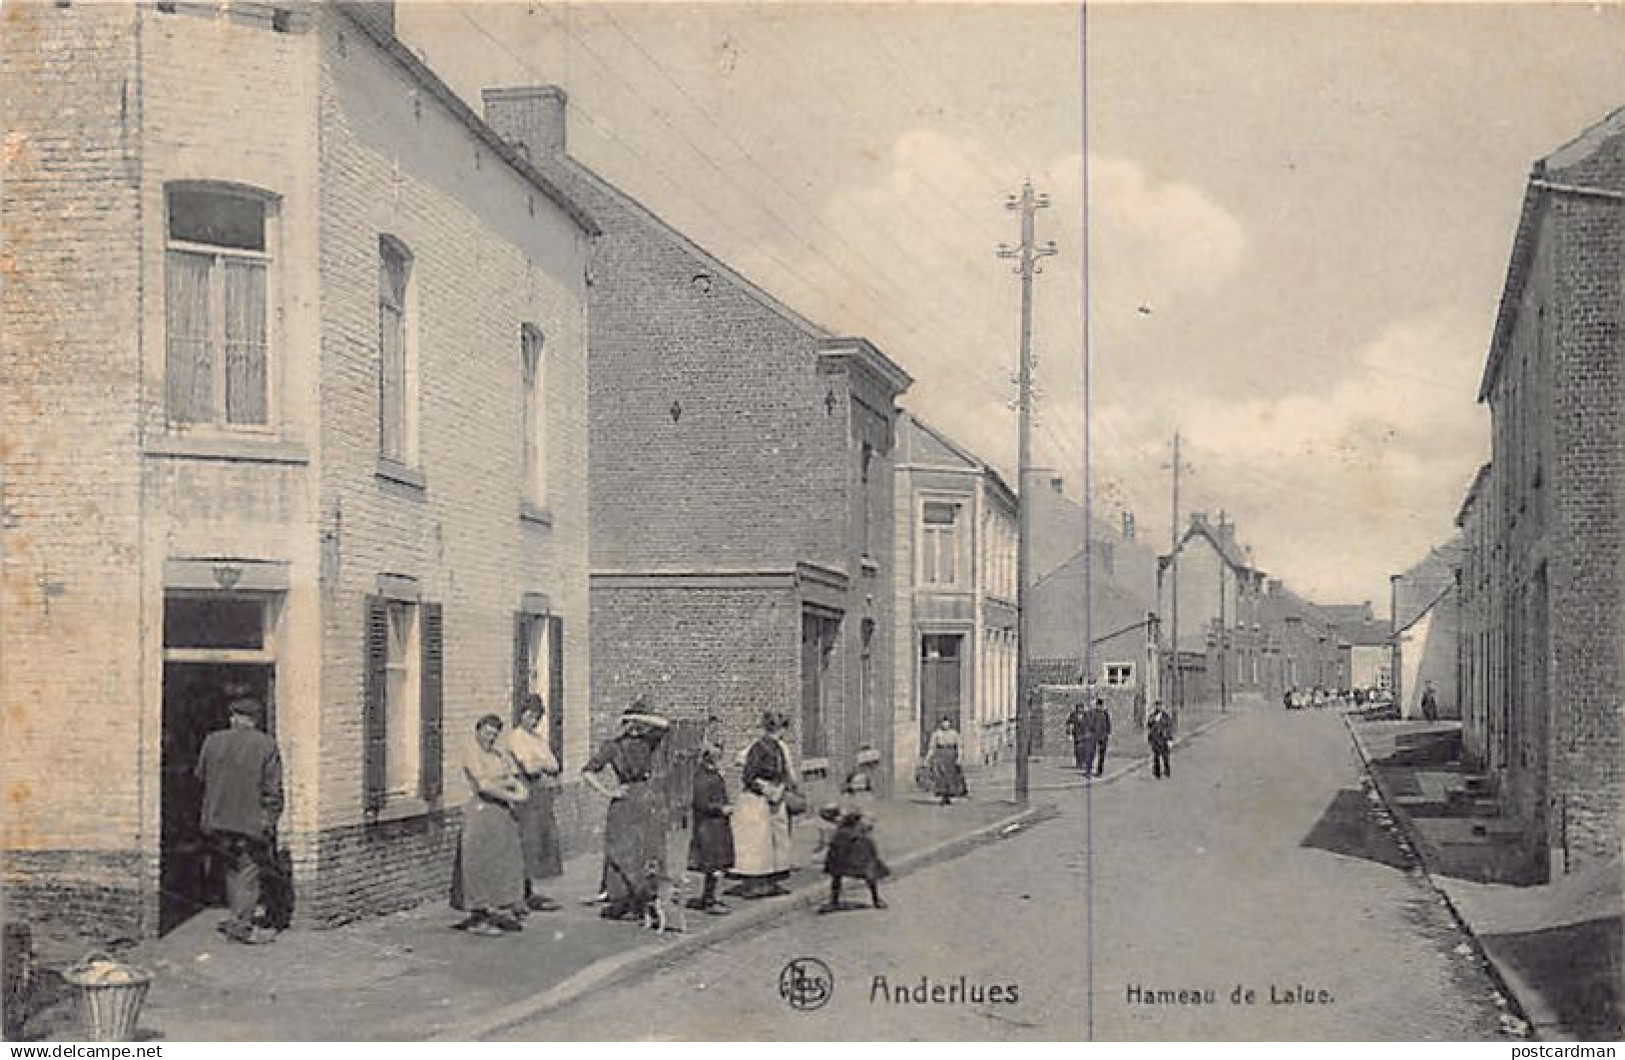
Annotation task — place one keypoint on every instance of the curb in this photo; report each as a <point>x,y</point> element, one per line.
<point>1130,767</point>
<point>644,959</point>
<point>1528,1002</point>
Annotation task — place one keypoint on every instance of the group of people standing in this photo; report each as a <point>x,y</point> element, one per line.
<point>509,845</point>
<point>1091,730</point>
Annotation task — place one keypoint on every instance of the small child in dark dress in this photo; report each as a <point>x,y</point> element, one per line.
<point>851,853</point>
<point>711,842</point>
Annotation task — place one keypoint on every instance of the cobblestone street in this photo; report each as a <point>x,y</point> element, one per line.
<point>1258,864</point>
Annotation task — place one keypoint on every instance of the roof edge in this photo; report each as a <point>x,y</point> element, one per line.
<point>424,74</point>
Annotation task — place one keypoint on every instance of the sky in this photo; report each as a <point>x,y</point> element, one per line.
<point>1288,242</point>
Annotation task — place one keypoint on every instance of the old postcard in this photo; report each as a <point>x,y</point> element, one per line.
<point>812,521</point>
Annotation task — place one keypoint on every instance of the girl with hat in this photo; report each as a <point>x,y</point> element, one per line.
<point>634,829</point>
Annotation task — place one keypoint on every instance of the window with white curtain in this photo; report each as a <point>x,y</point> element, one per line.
<point>217,292</point>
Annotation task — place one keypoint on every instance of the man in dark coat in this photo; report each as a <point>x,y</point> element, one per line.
<point>241,773</point>
<point>1102,720</point>
<point>1430,703</point>
<point>1159,732</point>
<point>1081,727</point>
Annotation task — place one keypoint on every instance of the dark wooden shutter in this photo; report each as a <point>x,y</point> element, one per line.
<point>372,726</point>
<point>521,660</point>
<point>555,689</point>
<point>431,706</point>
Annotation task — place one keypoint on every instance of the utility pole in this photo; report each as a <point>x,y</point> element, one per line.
<point>1027,254</point>
<point>1176,678</point>
<point>1224,637</point>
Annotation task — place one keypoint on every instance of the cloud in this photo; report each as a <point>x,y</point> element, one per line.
<point>1334,489</point>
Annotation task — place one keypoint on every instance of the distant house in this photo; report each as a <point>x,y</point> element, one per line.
<point>1216,589</point>
<point>1426,624</point>
<point>741,461</point>
<point>1090,613</point>
<point>1302,647</point>
<point>956,596</point>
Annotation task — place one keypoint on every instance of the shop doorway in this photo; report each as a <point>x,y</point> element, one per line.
<point>216,649</point>
<point>940,669</point>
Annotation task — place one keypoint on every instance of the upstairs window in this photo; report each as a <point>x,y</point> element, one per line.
<point>216,294</point>
<point>397,441</point>
<point>533,365</point>
<point>939,547</point>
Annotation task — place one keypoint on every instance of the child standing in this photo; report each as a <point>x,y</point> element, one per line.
<point>852,853</point>
<point>711,838</point>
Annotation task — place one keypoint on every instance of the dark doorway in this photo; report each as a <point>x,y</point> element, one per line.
<point>939,682</point>
<point>818,635</point>
<point>195,698</point>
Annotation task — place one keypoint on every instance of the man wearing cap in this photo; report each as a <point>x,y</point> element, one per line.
<point>241,773</point>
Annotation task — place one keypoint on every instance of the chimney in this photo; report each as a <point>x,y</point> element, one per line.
<point>1198,518</point>
<point>531,117</point>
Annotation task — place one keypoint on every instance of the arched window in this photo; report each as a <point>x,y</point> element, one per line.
<point>397,371</point>
<point>533,365</point>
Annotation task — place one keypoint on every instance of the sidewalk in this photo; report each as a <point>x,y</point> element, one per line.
<point>408,976</point>
<point>1555,947</point>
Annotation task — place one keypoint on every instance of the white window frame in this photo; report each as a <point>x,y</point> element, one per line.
<point>403,707</point>
<point>1117,674</point>
<point>932,538</point>
<point>533,366</point>
<point>220,257</point>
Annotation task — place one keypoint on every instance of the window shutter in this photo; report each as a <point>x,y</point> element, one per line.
<point>431,700</point>
<point>521,659</point>
<point>373,735</point>
<point>555,690</point>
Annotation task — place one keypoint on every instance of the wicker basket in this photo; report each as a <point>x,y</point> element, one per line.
<point>110,1009</point>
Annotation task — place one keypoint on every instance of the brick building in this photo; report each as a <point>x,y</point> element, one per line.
<point>1549,598</point>
<point>294,397</point>
<point>1303,647</point>
<point>956,613</point>
<point>741,465</point>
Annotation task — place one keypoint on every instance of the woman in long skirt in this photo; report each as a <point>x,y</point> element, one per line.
<point>634,825</point>
<point>761,821</point>
<point>489,880</point>
<point>947,777</point>
<point>538,832</point>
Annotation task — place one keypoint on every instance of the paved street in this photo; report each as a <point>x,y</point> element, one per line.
<point>1257,864</point>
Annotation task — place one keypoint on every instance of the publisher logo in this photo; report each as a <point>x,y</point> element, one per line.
<point>806,984</point>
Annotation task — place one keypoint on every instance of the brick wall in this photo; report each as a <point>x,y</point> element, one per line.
<point>490,252</point>
<point>101,497</point>
<point>70,576</point>
<point>723,442</point>
<point>696,652</point>
<point>1552,618</point>
<point>1587,529</point>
